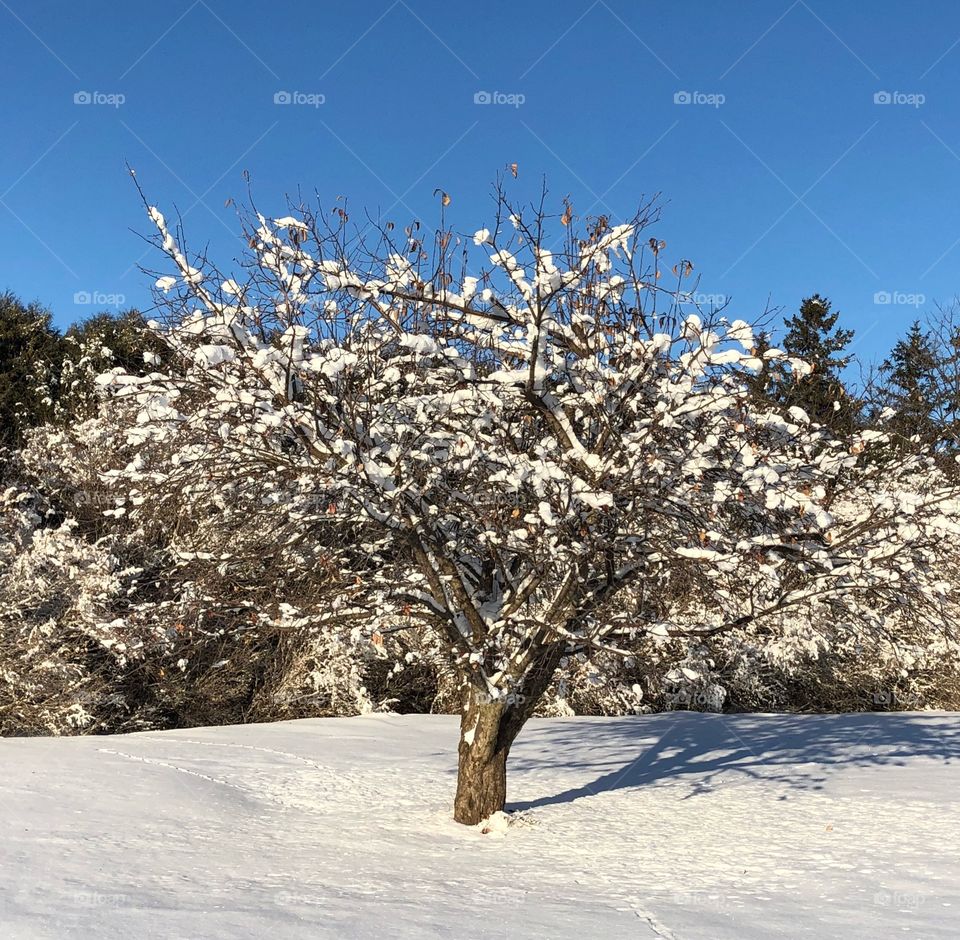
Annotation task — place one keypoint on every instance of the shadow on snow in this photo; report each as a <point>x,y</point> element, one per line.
<point>797,750</point>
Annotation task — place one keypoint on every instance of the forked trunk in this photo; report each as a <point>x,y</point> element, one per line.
<point>487,732</point>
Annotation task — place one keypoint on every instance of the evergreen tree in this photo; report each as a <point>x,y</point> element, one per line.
<point>944,331</point>
<point>102,342</point>
<point>762,382</point>
<point>124,334</point>
<point>31,354</point>
<point>813,335</point>
<point>911,388</point>
<point>46,376</point>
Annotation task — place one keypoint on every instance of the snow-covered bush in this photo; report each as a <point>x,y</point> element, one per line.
<point>109,623</point>
<point>70,639</point>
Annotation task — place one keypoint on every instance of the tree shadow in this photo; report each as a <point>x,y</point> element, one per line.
<point>802,751</point>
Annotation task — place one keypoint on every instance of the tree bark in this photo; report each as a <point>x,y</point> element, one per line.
<point>488,729</point>
<point>482,770</point>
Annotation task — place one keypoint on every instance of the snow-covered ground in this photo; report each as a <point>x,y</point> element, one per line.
<point>677,826</point>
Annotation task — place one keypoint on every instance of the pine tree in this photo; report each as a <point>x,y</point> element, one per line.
<point>813,335</point>
<point>944,332</point>
<point>911,388</point>
<point>760,383</point>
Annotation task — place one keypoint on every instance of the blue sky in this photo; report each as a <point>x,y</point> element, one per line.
<point>781,174</point>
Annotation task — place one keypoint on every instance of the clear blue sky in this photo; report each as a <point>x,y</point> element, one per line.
<point>797,182</point>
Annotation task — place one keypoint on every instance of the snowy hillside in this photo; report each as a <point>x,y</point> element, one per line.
<point>675,826</point>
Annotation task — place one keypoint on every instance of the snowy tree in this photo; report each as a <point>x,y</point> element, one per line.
<point>31,351</point>
<point>920,380</point>
<point>511,442</point>
<point>813,335</point>
<point>97,343</point>
<point>910,388</point>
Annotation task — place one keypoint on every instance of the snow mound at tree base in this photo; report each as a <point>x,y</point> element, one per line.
<point>673,826</point>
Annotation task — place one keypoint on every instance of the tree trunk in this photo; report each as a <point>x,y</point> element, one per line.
<point>487,732</point>
<point>482,770</point>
